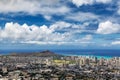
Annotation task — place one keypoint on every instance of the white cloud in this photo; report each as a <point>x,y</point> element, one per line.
<point>47,17</point>
<point>82,16</point>
<point>58,43</point>
<point>60,25</point>
<point>17,32</point>
<point>118,11</point>
<point>18,6</point>
<point>116,43</point>
<point>42,42</point>
<point>64,26</point>
<point>103,1</point>
<point>108,28</point>
<point>86,39</point>
<point>79,3</point>
<point>44,7</point>
<point>82,2</point>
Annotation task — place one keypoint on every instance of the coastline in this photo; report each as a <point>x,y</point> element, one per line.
<point>106,54</point>
<point>89,56</point>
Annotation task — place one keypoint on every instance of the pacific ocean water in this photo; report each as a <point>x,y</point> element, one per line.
<point>77,52</point>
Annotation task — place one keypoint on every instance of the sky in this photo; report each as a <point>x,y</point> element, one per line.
<point>59,24</point>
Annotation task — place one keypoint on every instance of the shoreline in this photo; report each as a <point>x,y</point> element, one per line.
<point>89,56</point>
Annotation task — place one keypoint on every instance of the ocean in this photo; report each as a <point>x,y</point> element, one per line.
<point>99,53</point>
<point>106,53</point>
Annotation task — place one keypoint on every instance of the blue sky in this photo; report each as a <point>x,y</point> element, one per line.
<point>59,24</point>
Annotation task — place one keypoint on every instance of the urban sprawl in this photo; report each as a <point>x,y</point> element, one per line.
<point>58,68</point>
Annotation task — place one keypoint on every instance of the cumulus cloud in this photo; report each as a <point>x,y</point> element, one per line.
<point>82,16</point>
<point>57,33</point>
<point>108,28</point>
<point>118,11</point>
<point>18,33</point>
<point>79,3</point>
<point>87,39</point>
<point>103,1</point>
<point>43,7</point>
<point>82,2</point>
<point>60,25</point>
<point>18,6</point>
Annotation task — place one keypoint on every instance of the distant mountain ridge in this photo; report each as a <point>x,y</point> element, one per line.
<point>45,53</point>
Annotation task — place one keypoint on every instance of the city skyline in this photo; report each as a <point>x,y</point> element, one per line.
<point>59,24</point>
